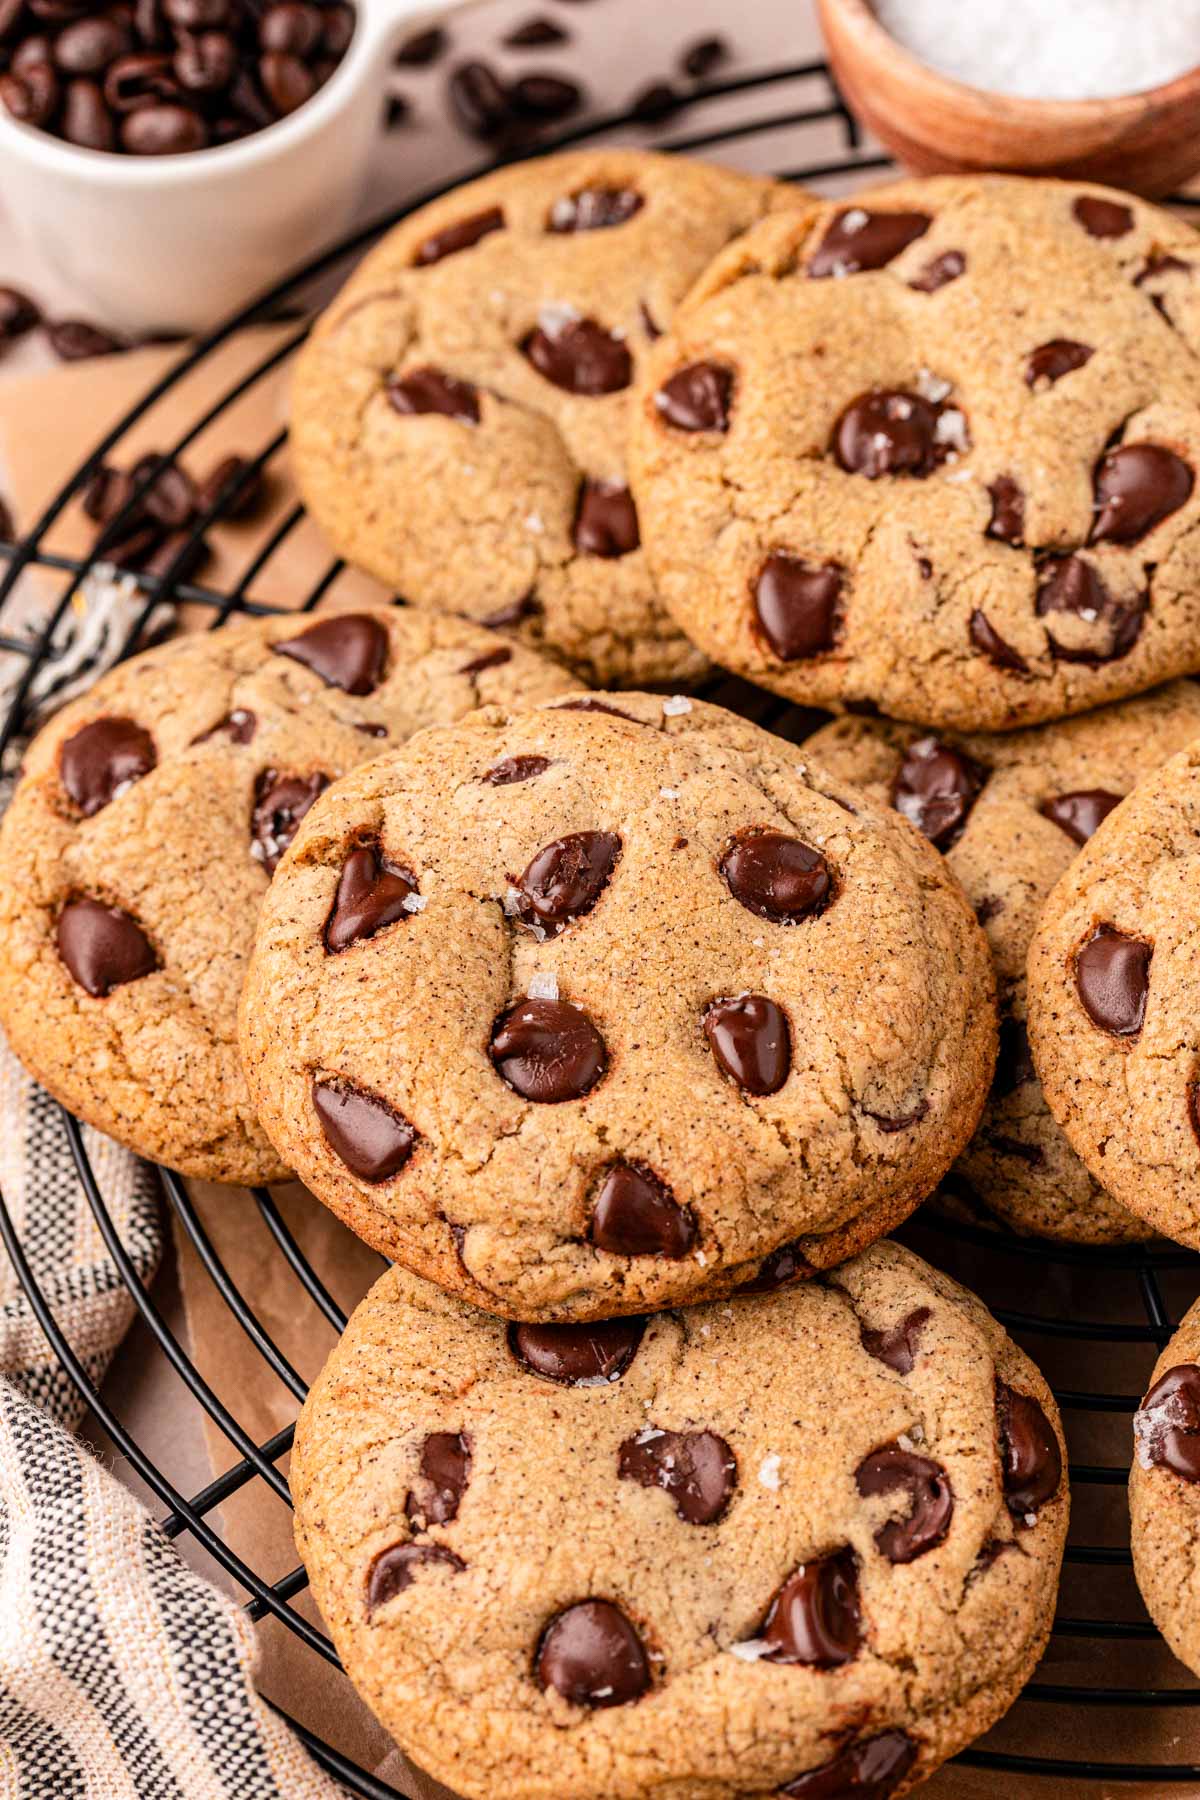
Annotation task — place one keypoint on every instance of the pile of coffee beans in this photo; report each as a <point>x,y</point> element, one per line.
<point>152,534</point>
<point>156,77</point>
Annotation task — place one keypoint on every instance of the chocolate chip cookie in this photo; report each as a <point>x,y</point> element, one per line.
<point>1164,1493</point>
<point>661,1012</point>
<point>1009,812</point>
<point>805,1545</point>
<point>460,412</point>
<point>144,831</point>
<point>1114,1001</point>
<point>934,451</point>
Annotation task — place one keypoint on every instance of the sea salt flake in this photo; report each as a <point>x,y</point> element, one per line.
<point>414,903</point>
<point>932,387</point>
<point>676,706</point>
<point>768,1472</point>
<point>951,428</point>
<point>750,1649</point>
<point>702,1259</point>
<point>917,1433</point>
<point>543,985</point>
<point>854,220</point>
<point>905,1442</point>
<point>668,793</point>
<point>534,523</point>
<point>513,901</point>
<point>1031,1519</point>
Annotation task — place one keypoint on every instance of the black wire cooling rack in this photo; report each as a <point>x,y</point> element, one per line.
<point>1095,1319</point>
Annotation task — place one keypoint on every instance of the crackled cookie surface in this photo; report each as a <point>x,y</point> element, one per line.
<point>803,1545</point>
<point>142,836</point>
<point>1164,1493</point>
<point>1009,812</point>
<point>667,1011</point>
<point>460,413</point>
<point>1114,999</point>
<point>935,450</point>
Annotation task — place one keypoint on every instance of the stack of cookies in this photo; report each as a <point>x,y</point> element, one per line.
<point>626,1029</point>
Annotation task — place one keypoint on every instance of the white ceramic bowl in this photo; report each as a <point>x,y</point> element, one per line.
<point>174,243</point>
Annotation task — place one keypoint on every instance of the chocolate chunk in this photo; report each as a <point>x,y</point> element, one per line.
<point>1167,1424</point>
<point>238,726</point>
<point>606,521</point>
<point>592,1656</point>
<point>548,1051</point>
<point>579,356</point>
<point>1031,1460</point>
<point>453,238</point>
<point>1137,486</point>
<point>431,391</point>
<point>102,759</point>
<point>930,1500</point>
<point>696,1468</point>
<point>1014,1064</point>
<point>814,1618</point>
<point>444,1470</point>
<point>776,876</point>
<point>371,893</point>
<point>369,1136</point>
<point>394,1570</point>
<point>779,1269</point>
<point>999,652</point>
<point>490,659</point>
<point>577,1355</point>
<point>347,651</point>
<point>102,946</point>
<point>1050,362</point>
<point>888,433</point>
<point>935,788</point>
<point>566,878</point>
<point>697,398</point>
<point>1112,977</point>
<point>797,605</point>
<point>1068,584</point>
<point>594,209</point>
<point>896,1345</point>
<point>1079,814</point>
<point>1103,218</point>
<point>637,1215</point>
<point>1007,522</point>
<point>516,768</point>
<point>858,240</point>
<point>871,1769</point>
<point>280,803</point>
<point>749,1038</point>
<point>940,272</point>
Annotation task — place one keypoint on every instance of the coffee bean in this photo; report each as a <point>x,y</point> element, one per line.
<point>592,1656</point>
<point>86,120</point>
<point>163,131</point>
<point>700,59</point>
<point>37,48</point>
<point>292,26</point>
<point>10,15</point>
<point>535,34</point>
<point>170,499</point>
<point>87,47</point>
<point>422,48</point>
<point>196,15</point>
<point>72,340</point>
<point>139,80</point>
<point>31,95</point>
<point>233,488</point>
<point>655,103</point>
<point>545,96</point>
<point>479,100</point>
<point>18,314</point>
<point>287,81</point>
<point>204,64</point>
<point>337,32</point>
<point>176,557</point>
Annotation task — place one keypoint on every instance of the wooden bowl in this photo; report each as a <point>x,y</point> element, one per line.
<point>1147,142</point>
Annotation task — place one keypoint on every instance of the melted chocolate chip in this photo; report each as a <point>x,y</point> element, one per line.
<point>594,209</point>
<point>102,946</point>
<point>548,1051</point>
<point>1079,814</point>
<point>696,1468</point>
<point>347,651</point>
<point>1103,218</point>
<point>592,1656</point>
<point>369,1136</point>
<point>577,1355</point>
<point>1070,585</point>
<point>871,1769</point>
<point>858,240</point>
<point>516,768</point>
<point>100,760</point>
<point>935,788</point>
<point>750,1041</point>
<point>431,391</point>
<point>1029,1452</point>
<point>797,605</point>
<point>985,637</point>
<point>814,1618</point>
<point>889,1122</point>
<point>394,1570</point>
<point>896,1345</point>
<point>565,879</point>
<point>1014,1064</point>
<point>596,706</point>
<point>606,521</point>
<point>637,1215</point>
<point>886,432</point>
<point>512,614</point>
<point>238,726</point>
<point>1112,977</point>
<point>930,1500</point>
<point>778,1270</point>
<point>1031,1154</point>
<point>776,876</point>
<point>580,357</point>
<point>1137,486</point>
<point>280,803</point>
<point>1167,1424</point>
<point>459,237</point>
<point>370,894</point>
<point>443,1473</point>
<point>1007,522</point>
<point>1050,362</point>
<point>940,272</point>
<point>491,659</point>
<point>697,398</point>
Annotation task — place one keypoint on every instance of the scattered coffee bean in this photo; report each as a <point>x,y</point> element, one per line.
<point>655,102</point>
<point>701,58</point>
<point>422,48</point>
<point>72,340</point>
<point>18,314</point>
<point>397,112</point>
<point>479,100</point>
<point>536,34</point>
<point>545,96</point>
